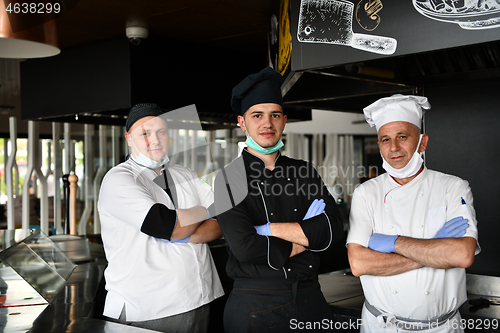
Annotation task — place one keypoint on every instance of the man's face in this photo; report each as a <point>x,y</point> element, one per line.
<point>398,141</point>
<point>264,123</point>
<point>148,136</point>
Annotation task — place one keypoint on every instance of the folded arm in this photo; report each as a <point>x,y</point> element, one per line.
<point>438,253</point>
<point>188,220</point>
<point>448,248</point>
<point>291,232</point>
<point>364,261</point>
<point>207,231</point>
<point>171,224</point>
<point>321,225</point>
<point>297,249</point>
<point>412,253</point>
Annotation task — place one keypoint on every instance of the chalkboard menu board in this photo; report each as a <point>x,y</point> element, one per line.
<point>334,32</point>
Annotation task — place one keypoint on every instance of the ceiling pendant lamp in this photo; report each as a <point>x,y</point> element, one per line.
<point>28,40</point>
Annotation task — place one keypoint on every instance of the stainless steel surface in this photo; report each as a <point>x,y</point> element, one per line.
<point>34,266</point>
<point>75,247</point>
<point>340,285</point>
<point>19,319</point>
<point>96,326</point>
<point>24,309</point>
<point>344,294</point>
<point>11,237</point>
<point>72,308</point>
<point>483,285</point>
<point>289,82</point>
<point>16,291</point>
<point>491,312</point>
<point>74,301</point>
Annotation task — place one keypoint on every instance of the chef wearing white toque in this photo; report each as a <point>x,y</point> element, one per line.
<point>412,231</point>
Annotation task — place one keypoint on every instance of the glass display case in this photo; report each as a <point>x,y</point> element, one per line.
<point>32,271</point>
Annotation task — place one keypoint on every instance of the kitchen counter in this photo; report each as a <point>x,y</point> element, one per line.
<point>77,307</point>
<point>344,294</point>
<point>72,308</point>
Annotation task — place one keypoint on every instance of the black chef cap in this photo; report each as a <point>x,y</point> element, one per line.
<point>261,87</point>
<point>140,111</point>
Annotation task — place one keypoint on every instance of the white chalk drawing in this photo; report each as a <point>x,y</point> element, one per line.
<point>330,22</point>
<point>367,14</point>
<point>468,14</point>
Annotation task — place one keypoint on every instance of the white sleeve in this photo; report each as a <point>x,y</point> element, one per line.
<point>203,190</point>
<point>124,197</point>
<point>360,219</point>
<point>460,203</point>
<point>205,193</point>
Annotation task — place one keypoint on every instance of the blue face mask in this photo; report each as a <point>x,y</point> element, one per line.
<point>264,151</point>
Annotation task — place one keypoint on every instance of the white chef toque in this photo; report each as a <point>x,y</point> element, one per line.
<point>398,107</point>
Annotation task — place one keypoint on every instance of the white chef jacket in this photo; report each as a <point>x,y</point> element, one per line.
<point>153,278</point>
<point>417,209</point>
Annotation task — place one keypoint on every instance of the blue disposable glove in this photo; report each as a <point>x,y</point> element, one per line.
<point>454,228</point>
<point>263,230</point>
<point>184,240</point>
<point>383,243</point>
<point>317,207</point>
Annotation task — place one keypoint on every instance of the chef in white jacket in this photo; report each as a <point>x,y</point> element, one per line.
<point>160,272</point>
<point>412,231</point>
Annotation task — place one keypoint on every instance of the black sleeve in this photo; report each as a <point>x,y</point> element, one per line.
<point>159,222</point>
<point>327,228</point>
<point>237,225</point>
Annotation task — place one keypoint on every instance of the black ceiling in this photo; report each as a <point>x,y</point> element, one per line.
<point>241,26</point>
<point>236,24</point>
<point>226,40</point>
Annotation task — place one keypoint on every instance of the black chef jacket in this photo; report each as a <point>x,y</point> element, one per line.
<point>247,194</point>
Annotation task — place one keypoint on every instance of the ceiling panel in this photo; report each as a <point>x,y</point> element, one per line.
<point>212,22</point>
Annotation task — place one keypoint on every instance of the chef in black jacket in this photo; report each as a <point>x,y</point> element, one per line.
<point>276,215</point>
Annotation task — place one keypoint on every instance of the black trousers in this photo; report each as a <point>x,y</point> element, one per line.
<point>277,305</point>
<point>194,321</point>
